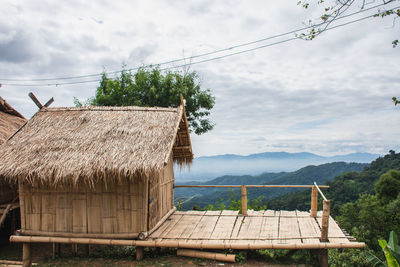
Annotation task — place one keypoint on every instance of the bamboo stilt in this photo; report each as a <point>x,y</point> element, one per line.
<point>139,253</point>
<point>314,202</point>
<point>54,251</point>
<point>324,258</point>
<point>26,255</point>
<point>244,200</point>
<point>206,255</point>
<point>325,221</point>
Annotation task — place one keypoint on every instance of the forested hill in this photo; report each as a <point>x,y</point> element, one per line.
<point>344,188</point>
<point>306,175</point>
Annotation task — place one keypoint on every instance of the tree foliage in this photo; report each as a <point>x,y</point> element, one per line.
<point>333,10</point>
<point>151,87</point>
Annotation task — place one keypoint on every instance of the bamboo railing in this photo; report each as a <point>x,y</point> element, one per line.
<point>315,189</point>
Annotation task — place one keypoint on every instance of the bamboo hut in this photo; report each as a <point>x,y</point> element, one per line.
<point>10,121</point>
<point>96,172</point>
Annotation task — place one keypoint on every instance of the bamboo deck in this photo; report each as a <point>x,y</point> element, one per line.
<point>271,227</point>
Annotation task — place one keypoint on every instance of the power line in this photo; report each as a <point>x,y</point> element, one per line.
<point>209,59</point>
<point>185,58</point>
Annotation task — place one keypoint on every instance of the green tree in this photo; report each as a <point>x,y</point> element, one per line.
<point>388,186</point>
<point>152,87</point>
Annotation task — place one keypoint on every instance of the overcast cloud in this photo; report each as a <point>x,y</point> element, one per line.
<point>328,96</point>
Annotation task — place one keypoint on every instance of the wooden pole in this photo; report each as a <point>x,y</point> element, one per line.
<point>79,235</point>
<point>182,244</point>
<point>206,255</point>
<point>244,200</point>
<point>323,258</point>
<point>314,201</point>
<point>325,221</point>
<point>139,253</point>
<point>35,100</point>
<point>26,255</point>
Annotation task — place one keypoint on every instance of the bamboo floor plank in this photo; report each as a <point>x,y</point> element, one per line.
<point>288,213</point>
<point>237,226</point>
<point>182,227</point>
<point>213,212</point>
<point>224,227</point>
<point>229,212</point>
<point>270,227</point>
<point>191,224</point>
<point>205,227</point>
<point>269,213</point>
<point>251,228</point>
<point>288,228</point>
<point>262,227</point>
<point>170,224</point>
<point>300,213</point>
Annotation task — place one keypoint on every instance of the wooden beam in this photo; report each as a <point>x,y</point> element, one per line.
<point>182,244</point>
<point>206,255</point>
<point>77,235</point>
<point>35,100</point>
<point>185,119</point>
<point>48,103</point>
<point>266,186</point>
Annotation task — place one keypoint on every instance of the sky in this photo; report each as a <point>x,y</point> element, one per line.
<point>328,96</point>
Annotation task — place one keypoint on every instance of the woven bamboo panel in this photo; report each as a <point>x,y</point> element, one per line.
<point>112,209</point>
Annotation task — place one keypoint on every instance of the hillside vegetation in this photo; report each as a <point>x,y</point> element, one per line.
<point>200,198</point>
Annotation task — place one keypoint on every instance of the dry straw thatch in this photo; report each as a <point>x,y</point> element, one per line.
<point>91,144</point>
<point>10,120</point>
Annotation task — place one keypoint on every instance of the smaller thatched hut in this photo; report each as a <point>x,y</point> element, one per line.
<point>10,121</point>
<point>99,172</point>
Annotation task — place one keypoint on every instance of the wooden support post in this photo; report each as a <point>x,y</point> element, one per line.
<point>87,250</point>
<point>26,255</point>
<point>139,253</point>
<point>323,260</point>
<point>75,249</point>
<point>325,221</point>
<point>244,200</point>
<point>58,249</point>
<point>54,251</point>
<point>314,201</point>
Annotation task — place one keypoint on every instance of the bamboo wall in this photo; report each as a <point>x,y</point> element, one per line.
<point>161,194</point>
<point>111,209</point>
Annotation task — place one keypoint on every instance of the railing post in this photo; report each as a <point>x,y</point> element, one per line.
<point>314,201</point>
<point>325,221</point>
<point>244,200</point>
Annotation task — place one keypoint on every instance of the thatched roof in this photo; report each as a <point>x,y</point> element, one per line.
<point>10,120</point>
<point>75,145</point>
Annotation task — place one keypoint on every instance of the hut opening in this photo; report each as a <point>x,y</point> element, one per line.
<point>96,172</point>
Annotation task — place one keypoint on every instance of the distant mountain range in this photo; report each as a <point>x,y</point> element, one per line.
<point>209,167</point>
<point>308,175</point>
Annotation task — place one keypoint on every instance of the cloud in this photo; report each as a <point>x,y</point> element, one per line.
<point>329,95</point>
<point>16,45</point>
